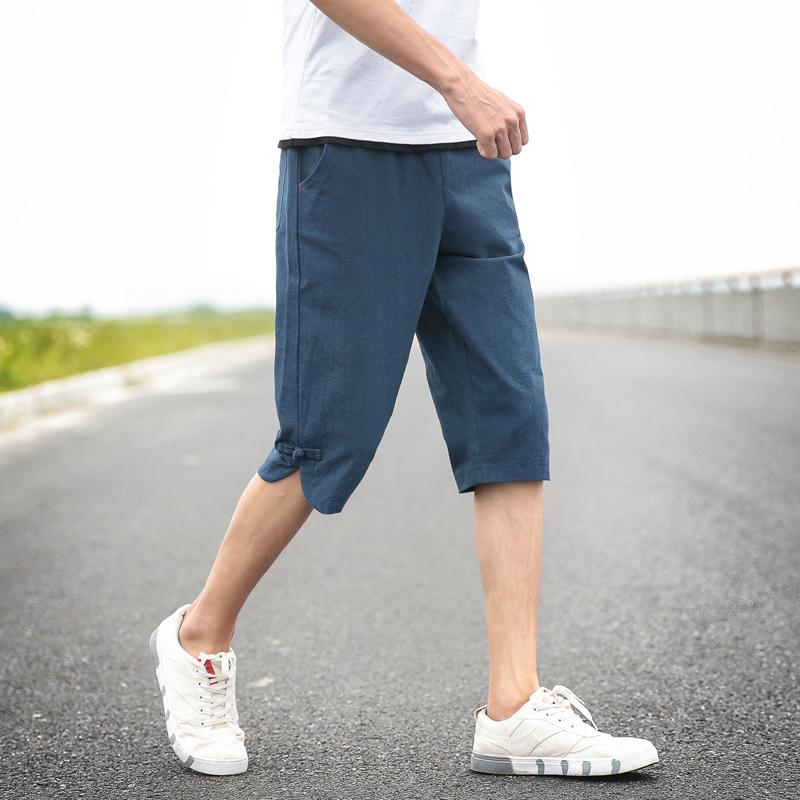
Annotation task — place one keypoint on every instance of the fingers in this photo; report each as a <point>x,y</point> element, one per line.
<point>505,142</point>
<point>515,140</point>
<point>488,149</point>
<point>523,128</point>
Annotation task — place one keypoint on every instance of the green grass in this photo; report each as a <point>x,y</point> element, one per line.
<point>36,350</point>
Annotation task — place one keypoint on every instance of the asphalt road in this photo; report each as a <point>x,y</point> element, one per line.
<point>670,589</point>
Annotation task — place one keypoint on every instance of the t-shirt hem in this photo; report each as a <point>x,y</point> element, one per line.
<point>372,145</point>
<point>402,147</point>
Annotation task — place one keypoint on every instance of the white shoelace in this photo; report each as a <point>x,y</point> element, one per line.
<point>568,705</point>
<point>216,697</point>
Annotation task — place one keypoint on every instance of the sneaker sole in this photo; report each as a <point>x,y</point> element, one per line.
<point>529,765</point>
<point>197,764</point>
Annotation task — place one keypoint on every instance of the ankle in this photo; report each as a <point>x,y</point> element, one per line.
<point>504,704</point>
<point>202,633</point>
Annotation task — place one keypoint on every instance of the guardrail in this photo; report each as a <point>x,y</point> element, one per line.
<point>759,306</point>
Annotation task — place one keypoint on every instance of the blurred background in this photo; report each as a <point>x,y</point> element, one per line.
<point>138,157</point>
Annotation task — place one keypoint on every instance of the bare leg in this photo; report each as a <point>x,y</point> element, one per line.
<point>508,531</point>
<point>266,519</point>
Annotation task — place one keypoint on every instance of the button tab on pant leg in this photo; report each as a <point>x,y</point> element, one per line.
<point>296,454</point>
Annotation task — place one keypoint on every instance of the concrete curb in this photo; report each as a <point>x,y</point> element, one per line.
<point>113,384</point>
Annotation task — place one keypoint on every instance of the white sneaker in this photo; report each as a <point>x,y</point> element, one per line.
<point>199,702</point>
<point>554,734</point>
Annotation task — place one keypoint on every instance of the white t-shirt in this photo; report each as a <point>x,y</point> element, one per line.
<point>336,87</point>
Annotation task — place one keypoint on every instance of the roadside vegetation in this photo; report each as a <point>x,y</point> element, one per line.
<point>36,350</point>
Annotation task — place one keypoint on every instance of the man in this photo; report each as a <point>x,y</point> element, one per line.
<point>395,217</point>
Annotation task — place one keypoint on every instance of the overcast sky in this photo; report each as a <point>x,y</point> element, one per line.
<point>138,158</point>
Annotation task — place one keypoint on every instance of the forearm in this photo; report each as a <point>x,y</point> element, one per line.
<point>385,28</point>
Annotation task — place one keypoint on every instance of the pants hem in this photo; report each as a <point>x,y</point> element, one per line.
<point>467,481</point>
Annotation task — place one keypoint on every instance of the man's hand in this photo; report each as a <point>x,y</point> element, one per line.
<point>495,121</point>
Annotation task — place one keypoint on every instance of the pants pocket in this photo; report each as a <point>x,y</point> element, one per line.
<point>310,159</point>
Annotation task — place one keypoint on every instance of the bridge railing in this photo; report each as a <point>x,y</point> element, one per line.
<point>759,306</point>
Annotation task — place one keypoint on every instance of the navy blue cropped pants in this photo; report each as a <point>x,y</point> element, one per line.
<point>374,247</point>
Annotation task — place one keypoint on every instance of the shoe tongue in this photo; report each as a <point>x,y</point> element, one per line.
<point>217,664</point>
<point>542,695</point>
